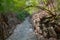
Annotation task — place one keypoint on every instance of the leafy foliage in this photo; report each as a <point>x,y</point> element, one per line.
<point>18,5</point>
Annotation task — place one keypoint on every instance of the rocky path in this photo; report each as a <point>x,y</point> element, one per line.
<point>23,31</point>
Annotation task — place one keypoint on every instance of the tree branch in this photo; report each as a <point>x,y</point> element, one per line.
<point>42,8</point>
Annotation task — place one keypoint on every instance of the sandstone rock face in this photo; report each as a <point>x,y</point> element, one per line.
<point>45,25</point>
<point>7,24</point>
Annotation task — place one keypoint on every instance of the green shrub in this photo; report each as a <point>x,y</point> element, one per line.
<point>21,15</point>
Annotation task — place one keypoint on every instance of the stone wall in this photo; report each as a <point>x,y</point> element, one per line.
<point>45,25</point>
<point>8,23</point>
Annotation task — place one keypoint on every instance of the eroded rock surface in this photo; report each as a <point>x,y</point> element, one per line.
<point>8,23</point>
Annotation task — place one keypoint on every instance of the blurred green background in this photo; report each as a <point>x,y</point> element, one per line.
<point>18,7</point>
